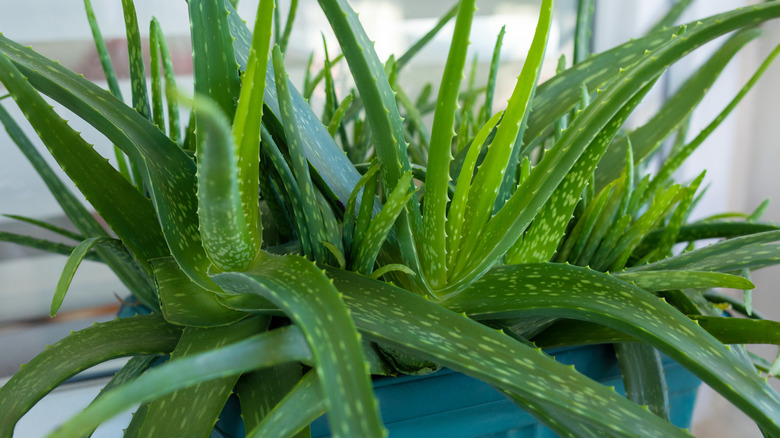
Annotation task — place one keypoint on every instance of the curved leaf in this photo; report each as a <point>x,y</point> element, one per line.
<point>432,332</point>
<point>304,293</point>
<point>71,265</point>
<point>266,349</point>
<point>122,337</point>
<point>579,293</point>
<point>669,280</point>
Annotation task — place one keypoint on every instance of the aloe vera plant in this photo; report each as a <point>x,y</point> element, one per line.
<point>268,241</point>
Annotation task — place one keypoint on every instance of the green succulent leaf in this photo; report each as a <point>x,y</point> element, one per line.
<point>647,138</point>
<point>44,245</point>
<point>643,377</point>
<point>184,302</point>
<point>572,292</point>
<point>302,405</point>
<point>260,391</point>
<point>490,175</point>
<point>135,53</point>
<point>382,114</point>
<point>434,236</point>
<point>204,400</point>
<point>71,265</point>
<point>47,226</point>
<point>304,293</point>
<point>248,118</point>
<point>99,343</point>
<point>168,172</point>
<point>559,94</point>
<point>671,280</point>
<point>158,43</point>
<point>432,332</point>
<point>265,349</point>
<point>730,255</point>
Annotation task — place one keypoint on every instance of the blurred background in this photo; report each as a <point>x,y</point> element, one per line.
<point>742,156</point>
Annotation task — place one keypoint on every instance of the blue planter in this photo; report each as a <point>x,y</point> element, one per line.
<point>450,404</point>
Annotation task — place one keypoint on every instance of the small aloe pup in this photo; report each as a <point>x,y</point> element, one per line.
<point>288,257</point>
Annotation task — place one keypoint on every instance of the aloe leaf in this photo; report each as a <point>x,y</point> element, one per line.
<point>573,292</point>
<point>672,228</point>
<point>607,221</point>
<point>375,235</point>
<point>382,114</point>
<point>674,162</point>
<point>300,166</point>
<point>136,224</point>
<point>676,110</point>
<point>616,256</point>
<point>559,94</point>
<point>578,238</point>
<point>338,116</point>
<point>158,115</point>
<point>108,71</point>
<point>557,420</point>
<point>583,31</point>
<point>490,176</point>
<point>168,171</point>
<point>460,199</point>
<point>47,226</point>
<point>215,67</point>
<point>304,293</point>
<point>741,331</point>
<point>248,118</point>
<point>643,377</point>
<point>97,180</point>
<point>135,53</point>
<point>320,148</point>
<point>262,390</point>
<point>99,343</point>
<point>71,265</point>
<point>302,405</point>
<point>730,255</point>
<point>265,349</point>
<point>435,333</point>
<point>541,240</point>
<point>204,400</point>
<point>670,280</point>
<point>288,25</point>
<point>156,34</point>
<point>509,223</point>
<point>487,106</point>
<point>290,186</point>
<point>350,216</point>
<point>44,245</point>
<point>184,302</point>
<point>225,235</point>
<point>434,240</point>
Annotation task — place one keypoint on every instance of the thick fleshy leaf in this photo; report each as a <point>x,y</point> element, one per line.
<point>99,343</point>
<point>204,400</point>
<point>558,95</point>
<point>541,240</point>
<point>730,255</point>
<point>669,280</point>
<point>434,240</point>
<point>71,265</point>
<point>184,302</point>
<point>260,391</point>
<point>491,172</point>
<point>230,242</point>
<point>44,245</point>
<point>266,349</point>
<point>168,171</point>
<point>432,332</point>
<point>643,377</point>
<point>302,405</point>
<point>382,114</point>
<point>308,297</point>
<point>248,117</point>
<point>647,138</point>
<point>572,292</point>
<point>135,53</point>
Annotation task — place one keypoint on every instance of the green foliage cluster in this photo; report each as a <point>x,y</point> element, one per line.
<point>288,256</point>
